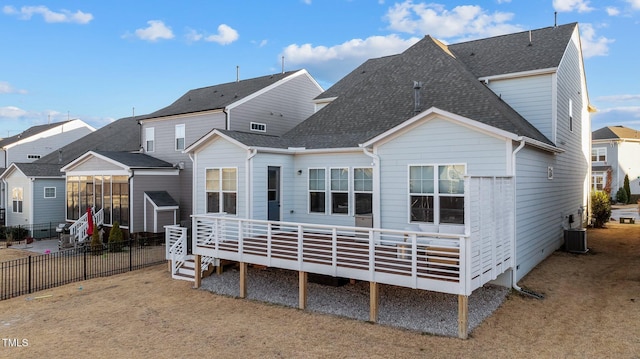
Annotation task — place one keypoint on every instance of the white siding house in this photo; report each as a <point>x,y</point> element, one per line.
<point>441,168</point>
<point>614,154</point>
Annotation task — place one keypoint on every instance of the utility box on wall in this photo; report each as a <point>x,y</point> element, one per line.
<point>575,240</point>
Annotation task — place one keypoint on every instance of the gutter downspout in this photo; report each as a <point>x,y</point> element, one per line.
<point>130,184</point>
<point>227,123</point>
<point>193,185</point>
<point>247,180</point>
<point>376,186</point>
<point>514,279</point>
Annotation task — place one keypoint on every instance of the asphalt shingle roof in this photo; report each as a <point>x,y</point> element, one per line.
<point>135,159</point>
<point>161,198</point>
<point>120,135</point>
<point>40,169</point>
<point>512,53</point>
<point>614,133</point>
<point>31,131</point>
<point>216,97</point>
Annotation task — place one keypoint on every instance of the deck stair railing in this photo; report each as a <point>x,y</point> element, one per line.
<point>78,230</point>
<point>182,263</point>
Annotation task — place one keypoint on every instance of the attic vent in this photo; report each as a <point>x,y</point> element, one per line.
<point>260,127</point>
<point>417,85</point>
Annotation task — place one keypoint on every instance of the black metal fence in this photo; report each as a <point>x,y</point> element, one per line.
<point>38,272</point>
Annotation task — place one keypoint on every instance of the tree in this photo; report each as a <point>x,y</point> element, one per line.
<point>96,243</point>
<point>601,208</point>
<point>621,196</point>
<point>627,188</point>
<point>115,238</point>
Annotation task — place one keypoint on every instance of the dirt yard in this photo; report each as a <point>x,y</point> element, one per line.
<point>591,310</point>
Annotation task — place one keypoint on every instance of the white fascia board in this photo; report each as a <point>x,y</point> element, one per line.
<point>324,100</point>
<point>98,173</point>
<point>209,137</point>
<point>514,75</point>
<point>12,168</point>
<point>155,171</point>
<point>432,113</point>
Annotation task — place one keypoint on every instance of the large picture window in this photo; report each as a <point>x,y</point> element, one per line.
<point>222,190</point>
<point>363,190</point>
<point>436,194</point>
<point>109,193</point>
<point>317,190</point>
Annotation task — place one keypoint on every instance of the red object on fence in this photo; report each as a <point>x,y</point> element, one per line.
<point>89,222</point>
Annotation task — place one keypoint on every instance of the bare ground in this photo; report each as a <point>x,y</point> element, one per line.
<point>591,310</point>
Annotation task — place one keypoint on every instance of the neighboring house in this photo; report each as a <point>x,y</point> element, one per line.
<point>36,142</point>
<point>156,184</point>
<point>36,194</point>
<point>615,151</point>
<point>24,181</point>
<point>477,152</point>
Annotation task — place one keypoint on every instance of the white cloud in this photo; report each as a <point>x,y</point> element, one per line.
<point>634,3</point>
<point>504,1</point>
<point>12,112</point>
<point>156,30</point>
<point>572,5</point>
<point>5,88</point>
<point>26,12</point>
<point>593,45</point>
<point>628,116</point>
<point>193,36</point>
<point>612,11</point>
<point>331,63</point>
<point>225,35</point>
<point>467,21</point>
<point>619,98</point>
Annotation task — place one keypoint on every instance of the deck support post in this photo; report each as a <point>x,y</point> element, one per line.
<point>374,299</point>
<point>463,316</point>
<point>170,262</point>
<point>197,270</point>
<point>302,289</point>
<point>243,279</point>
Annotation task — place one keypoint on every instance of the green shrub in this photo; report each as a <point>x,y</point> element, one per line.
<point>627,188</point>
<point>601,208</point>
<point>115,238</point>
<point>621,196</point>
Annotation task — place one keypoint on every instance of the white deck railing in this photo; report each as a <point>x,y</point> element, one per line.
<point>78,230</point>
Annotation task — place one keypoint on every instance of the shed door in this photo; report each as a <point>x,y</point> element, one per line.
<point>273,193</point>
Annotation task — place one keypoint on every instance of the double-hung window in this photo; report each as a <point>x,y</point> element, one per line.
<point>363,190</point>
<point>17,197</point>
<point>222,190</point>
<point>49,192</point>
<point>317,190</point>
<point>436,194</point>
<point>340,191</point>
<point>149,138</point>
<point>598,181</point>
<point>179,137</point>
<point>599,154</point>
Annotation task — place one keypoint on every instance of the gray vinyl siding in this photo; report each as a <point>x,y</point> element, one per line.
<point>142,183</point>
<point>259,167</point>
<point>217,154</point>
<point>48,210</point>
<point>280,108</point>
<point>437,141</point>
<point>300,186</point>
<point>196,126</point>
<point>543,206</point>
<point>45,145</point>
<point>531,96</point>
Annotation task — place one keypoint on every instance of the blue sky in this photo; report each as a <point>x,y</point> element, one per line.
<point>103,60</point>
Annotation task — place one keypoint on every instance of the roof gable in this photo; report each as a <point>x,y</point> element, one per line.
<point>514,53</point>
<point>615,132</point>
<point>384,98</point>
<point>30,132</point>
<point>217,97</point>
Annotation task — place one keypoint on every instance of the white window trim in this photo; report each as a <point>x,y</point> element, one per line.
<point>149,135</point>
<point>45,192</point>
<point>598,151</point>
<point>598,174</point>
<point>326,191</point>
<point>21,200</point>
<point>354,191</point>
<point>221,191</point>
<point>570,115</point>
<point>436,193</point>
<point>184,139</point>
<point>348,191</point>
<point>261,127</point>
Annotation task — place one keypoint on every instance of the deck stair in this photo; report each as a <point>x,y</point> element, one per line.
<point>186,269</point>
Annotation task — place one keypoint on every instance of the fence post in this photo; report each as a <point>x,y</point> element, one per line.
<point>130,254</point>
<point>29,275</point>
<point>84,258</point>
